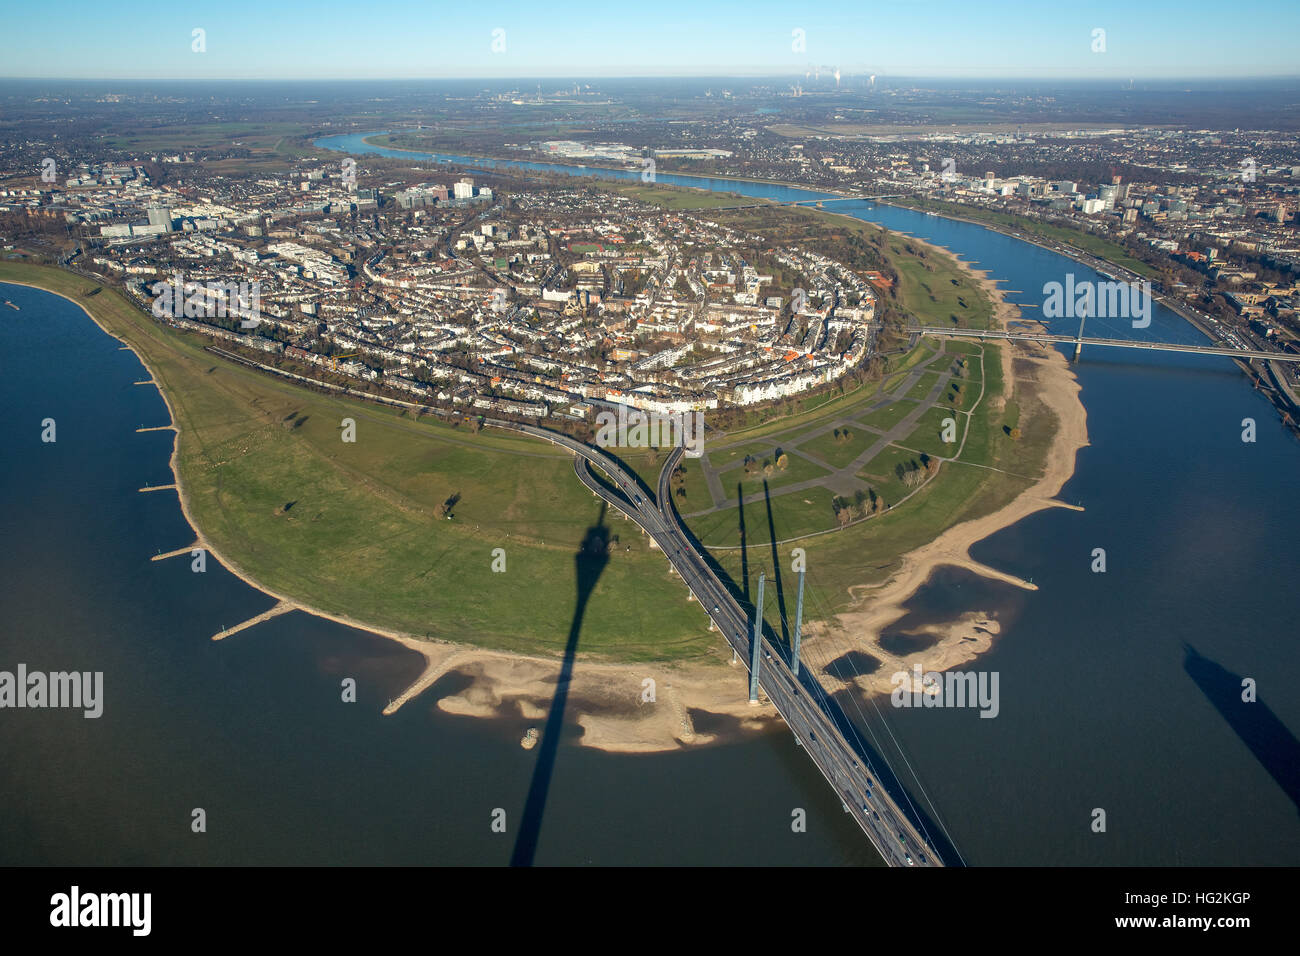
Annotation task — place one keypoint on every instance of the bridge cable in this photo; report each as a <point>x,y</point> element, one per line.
<point>831,669</point>
<point>822,613</point>
<point>854,731</point>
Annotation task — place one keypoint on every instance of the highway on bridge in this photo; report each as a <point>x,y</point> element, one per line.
<point>1116,343</point>
<point>886,825</point>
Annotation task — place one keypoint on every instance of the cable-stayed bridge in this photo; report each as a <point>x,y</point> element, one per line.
<point>1080,341</point>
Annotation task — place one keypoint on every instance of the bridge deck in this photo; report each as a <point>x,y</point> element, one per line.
<point>875,810</point>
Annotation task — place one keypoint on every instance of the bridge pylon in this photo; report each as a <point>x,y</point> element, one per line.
<point>1083,315</point>
<point>756,644</point>
<point>798,623</point>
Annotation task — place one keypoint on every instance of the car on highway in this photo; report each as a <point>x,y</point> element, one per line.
<point>908,858</point>
<point>715,609</point>
<point>875,815</point>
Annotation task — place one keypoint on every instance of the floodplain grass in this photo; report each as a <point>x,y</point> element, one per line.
<point>935,289</point>
<point>672,198</point>
<point>356,528</point>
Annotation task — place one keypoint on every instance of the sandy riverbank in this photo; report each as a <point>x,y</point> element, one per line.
<point>1033,374</point>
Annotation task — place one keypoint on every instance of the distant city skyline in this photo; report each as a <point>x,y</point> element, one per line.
<point>405,40</point>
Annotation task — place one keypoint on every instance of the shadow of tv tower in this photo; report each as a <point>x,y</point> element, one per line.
<point>1269,740</point>
<point>589,562</point>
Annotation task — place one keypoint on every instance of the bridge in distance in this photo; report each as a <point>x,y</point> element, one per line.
<point>890,830</point>
<point>1075,340</point>
<point>806,202</point>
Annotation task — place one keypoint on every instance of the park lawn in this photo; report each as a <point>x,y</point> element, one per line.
<point>881,472</point>
<point>894,379</point>
<point>798,469</point>
<point>957,393</point>
<point>794,514</point>
<point>354,528</point>
<point>889,416</point>
<point>970,372</point>
<point>840,452</point>
<point>927,438</point>
<point>812,410</point>
<point>924,385</point>
<point>870,551</point>
<point>729,455</point>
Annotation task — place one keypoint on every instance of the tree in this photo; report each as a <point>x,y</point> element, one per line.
<point>783,461</point>
<point>1015,434</point>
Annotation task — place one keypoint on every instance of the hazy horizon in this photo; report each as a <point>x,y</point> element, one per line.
<point>245,40</point>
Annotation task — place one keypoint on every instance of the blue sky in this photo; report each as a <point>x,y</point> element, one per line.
<point>341,40</point>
